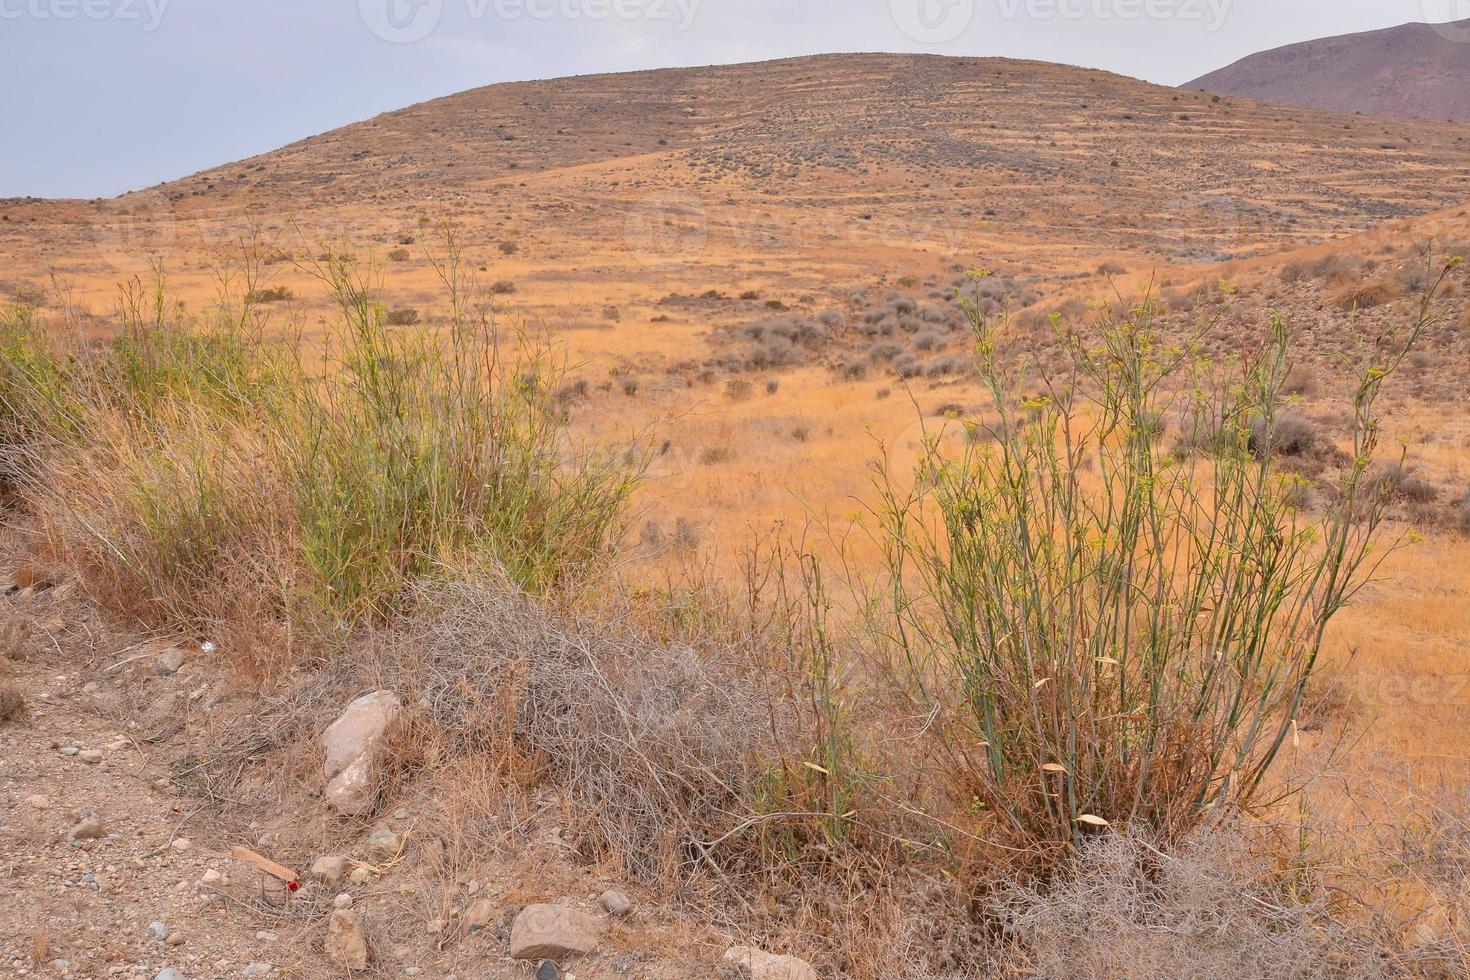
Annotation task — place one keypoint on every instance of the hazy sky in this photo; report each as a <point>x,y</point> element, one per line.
<point>102,96</point>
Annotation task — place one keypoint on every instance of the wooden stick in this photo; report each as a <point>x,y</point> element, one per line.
<point>288,875</point>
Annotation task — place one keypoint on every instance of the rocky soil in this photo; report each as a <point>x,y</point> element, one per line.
<point>116,860</point>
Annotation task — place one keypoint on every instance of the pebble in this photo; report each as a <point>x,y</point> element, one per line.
<point>168,973</point>
<point>211,877</point>
<point>90,756</point>
<point>70,750</point>
<point>329,868</point>
<point>384,845</point>
<point>88,829</point>
<point>174,939</point>
<point>169,662</point>
<point>615,903</point>
<point>342,901</point>
<point>181,844</point>
<point>157,930</point>
<point>38,802</point>
<point>256,970</point>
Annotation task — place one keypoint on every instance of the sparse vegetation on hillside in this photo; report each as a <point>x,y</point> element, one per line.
<point>195,465</point>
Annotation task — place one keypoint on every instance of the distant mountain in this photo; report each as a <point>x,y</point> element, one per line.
<point>1415,71</point>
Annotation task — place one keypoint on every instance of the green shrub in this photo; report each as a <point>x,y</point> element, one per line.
<point>1099,633</point>
<point>191,456</point>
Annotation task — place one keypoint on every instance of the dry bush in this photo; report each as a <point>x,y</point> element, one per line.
<point>660,745</point>
<point>1208,908</point>
<point>12,702</point>
<point>1366,294</point>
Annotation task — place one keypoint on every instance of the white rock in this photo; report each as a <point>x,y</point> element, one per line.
<point>746,963</point>
<point>353,744</point>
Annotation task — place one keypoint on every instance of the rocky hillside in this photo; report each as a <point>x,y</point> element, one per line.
<point>1414,71</point>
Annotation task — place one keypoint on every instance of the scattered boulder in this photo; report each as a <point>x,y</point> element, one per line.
<point>354,744</point>
<point>747,963</point>
<point>616,904</point>
<point>553,932</point>
<point>169,662</point>
<point>346,944</point>
<point>329,868</point>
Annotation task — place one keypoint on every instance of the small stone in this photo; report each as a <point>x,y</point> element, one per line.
<point>547,971</point>
<point>174,939</point>
<point>329,868</point>
<point>70,750</point>
<point>169,662</point>
<point>38,802</point>
<point>383,845</point>
<point>181,844</point>
<point>616,904</point>
<point>346,945</point>
<point>168,973</point>
<point>342,901</point>
<point>360,875</point>
<point>211,877</point>
<point>266,936</point>
<point>88,829</point>
<point>256,970</point>
<point>90,756</point>
<point>745,963</point>
<point>553,932</point>
<point>481,915</point>
<point>157,930</point>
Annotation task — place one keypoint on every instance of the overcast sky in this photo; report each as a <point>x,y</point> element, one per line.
<point>102,96</point>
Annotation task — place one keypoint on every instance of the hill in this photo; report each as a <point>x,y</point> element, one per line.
<point>1414,71</point>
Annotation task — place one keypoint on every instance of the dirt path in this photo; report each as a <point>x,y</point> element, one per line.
<point>108,869</point>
